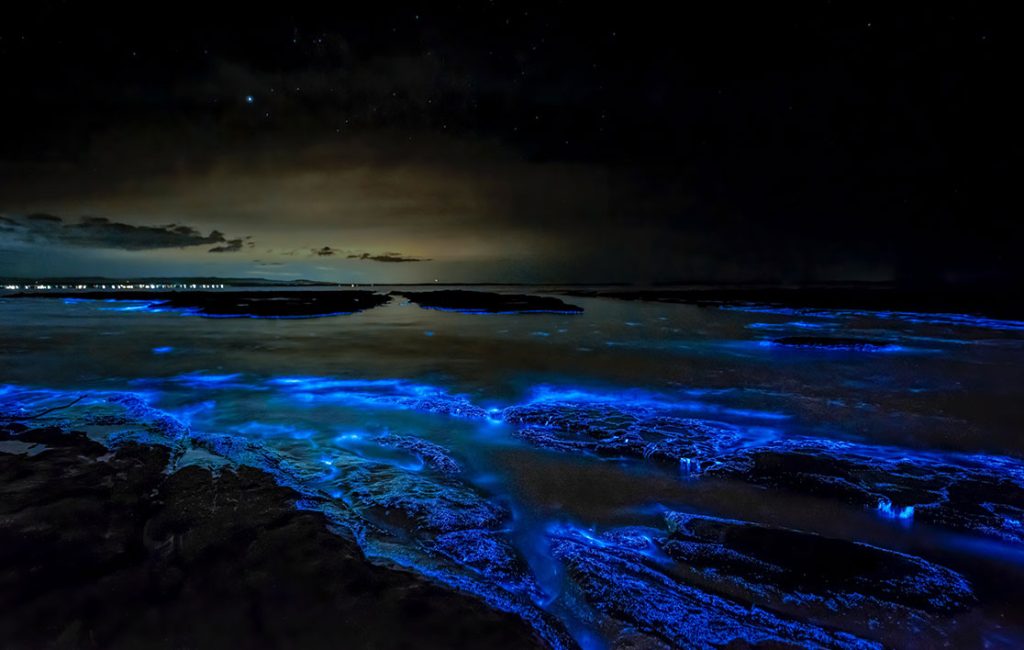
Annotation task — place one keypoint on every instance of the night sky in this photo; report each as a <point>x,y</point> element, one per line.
<point>509,141</point>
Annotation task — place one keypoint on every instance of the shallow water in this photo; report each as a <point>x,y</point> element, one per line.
<point>319,392</point>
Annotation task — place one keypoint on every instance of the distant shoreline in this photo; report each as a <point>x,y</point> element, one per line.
<point>992,302</point>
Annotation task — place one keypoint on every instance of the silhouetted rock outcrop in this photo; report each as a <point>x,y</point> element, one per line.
<point>486,302</point>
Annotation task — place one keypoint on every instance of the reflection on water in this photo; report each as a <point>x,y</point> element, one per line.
<point>416,400</point>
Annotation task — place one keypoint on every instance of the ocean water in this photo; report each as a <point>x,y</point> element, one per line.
<point>323,395</point>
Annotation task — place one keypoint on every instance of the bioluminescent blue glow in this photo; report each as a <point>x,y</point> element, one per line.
<point>330,476</point>
<point>916,318</point>
<point>683,486</point>
<point>803,325</point>
<point>206,379</point>
<point>131,307</point>
<point>641,399</point>
<point>887,509</point>
<point>853,347</point>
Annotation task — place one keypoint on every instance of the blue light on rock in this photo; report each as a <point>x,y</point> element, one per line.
<point>409,490</point>
<point>887,509</point>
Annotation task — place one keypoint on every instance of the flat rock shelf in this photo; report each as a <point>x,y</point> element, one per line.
<point>485,302</point>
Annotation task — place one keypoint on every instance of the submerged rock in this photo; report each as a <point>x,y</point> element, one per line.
<point>486,302</point>
<point>441,404</point>
<point>848,584</point>
<point>979,493</point>
<point>492,556</point>
<point>227,304</point>
<point>833,343</point>
<point>635,597</point>
<point>430,453</point>
<point>396,394</point>
<point>432,505</point>
<point>607,430</point>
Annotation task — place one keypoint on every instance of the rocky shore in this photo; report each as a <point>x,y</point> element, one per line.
<point>105,548</point>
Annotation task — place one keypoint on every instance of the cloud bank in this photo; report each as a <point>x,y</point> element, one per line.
<point>100,232</point>
<point>386,257</point>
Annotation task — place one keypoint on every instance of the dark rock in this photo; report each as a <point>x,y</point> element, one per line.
<point>979,493</point>
<point>228,304</point>
<point>847,584</point>
<point>484,302</point>
<point>454,406</point>
<point>613,431</point>
<point>435,505</point>
<point>492,556</point>
<point>433,454</point>
<point>626,586</point>
<point>101,549</point>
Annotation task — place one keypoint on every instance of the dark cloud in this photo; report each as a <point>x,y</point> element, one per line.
<point>386,257</point>
<point>100,232</point>
<point>230,246</point>
<point>327,251</point>
<point>604,147</point>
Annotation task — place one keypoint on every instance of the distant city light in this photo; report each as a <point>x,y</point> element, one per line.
<point>130,286</point>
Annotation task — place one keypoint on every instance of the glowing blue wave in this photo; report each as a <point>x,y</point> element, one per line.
<point>425,517</point>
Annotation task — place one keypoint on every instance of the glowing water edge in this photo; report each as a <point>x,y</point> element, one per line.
<point>638,475</point>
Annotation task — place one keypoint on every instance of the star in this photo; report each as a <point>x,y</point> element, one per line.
<point>249,99</point>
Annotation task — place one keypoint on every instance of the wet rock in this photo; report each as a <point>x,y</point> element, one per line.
<point>450,405</point>
<point>140,414</point>
<point>227,304</point>
<point>979,493</point>
<point>240,450</point>
<point>382,393</point>
<point>607,430</point>
<point>485,302</point>
<point>627,587</point>
<point>101,549</point>
<point>396,515</point>
<point>849,584</point>
<point>492,556</point>
<point>408,500</point>
<point>432,454</point>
